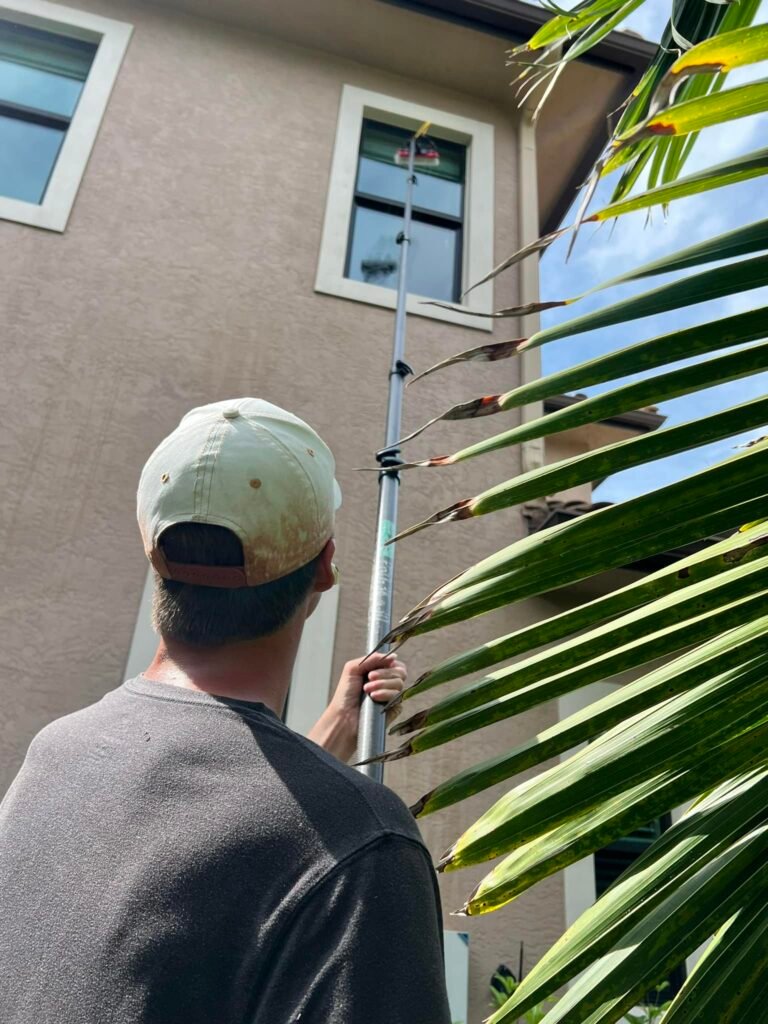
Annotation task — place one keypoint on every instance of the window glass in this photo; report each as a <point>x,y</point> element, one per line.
<point>30,87</point>
<point>27,155</point>
<point>431,193</point>
<point>439,189</point>
<point>375,255</point>
<point>380,141</point>
<point>37,48</point>
<point>434,261</point>
<point>41,78</point>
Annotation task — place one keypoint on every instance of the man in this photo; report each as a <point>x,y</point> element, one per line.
<point>173,854</point>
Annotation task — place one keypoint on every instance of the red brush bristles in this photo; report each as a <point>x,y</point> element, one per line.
<point>426,157</point>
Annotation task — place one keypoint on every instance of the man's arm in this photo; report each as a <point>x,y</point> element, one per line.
<point>381,676</point>
<point>365,947</point>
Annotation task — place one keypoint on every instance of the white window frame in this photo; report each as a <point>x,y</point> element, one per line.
<point>112,38</point>
<point>477,255</point>
<point>312,682</point>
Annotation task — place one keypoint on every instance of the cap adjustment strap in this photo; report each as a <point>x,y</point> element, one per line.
<point>228,576</point>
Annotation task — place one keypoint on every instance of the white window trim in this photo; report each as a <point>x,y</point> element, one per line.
<point>311,683</point>
<point>456,963</point>
<point>112,37</point>
<point>144,640</point>
<point>478,225</point>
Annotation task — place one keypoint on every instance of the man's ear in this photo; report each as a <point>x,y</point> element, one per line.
<point>325,578</point>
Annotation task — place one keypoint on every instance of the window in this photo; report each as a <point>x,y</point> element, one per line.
<point>452,229</point>
<point>41,78</point>
<point>57,67</point>
<point>434,263</point>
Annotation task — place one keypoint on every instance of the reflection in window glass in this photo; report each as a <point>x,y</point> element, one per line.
<point>27,155</point>
<point>30,87</point>
<point>374,254</point>
<point>434,261</point>
<point>431,193</point>
<point>42,75</point>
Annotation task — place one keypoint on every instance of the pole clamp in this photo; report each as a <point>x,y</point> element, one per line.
<point>389,460</point>
<point>402,369</point>
<point>401,237</point>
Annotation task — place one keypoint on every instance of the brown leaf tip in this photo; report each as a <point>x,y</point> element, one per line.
<point>417,808</point>
<point>400,633</point>
<point>445,861</point>
<point>478,407</point>
<point>462,510</point>
<point>503,349</point>
<point>410,724</point>
<point>488,402</point>
<point>394,703</point>
<point>390,755</point>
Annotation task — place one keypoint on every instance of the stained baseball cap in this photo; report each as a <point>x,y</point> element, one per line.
<point>253,468</point>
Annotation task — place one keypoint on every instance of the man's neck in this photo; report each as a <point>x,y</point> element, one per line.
<point>257,670</point>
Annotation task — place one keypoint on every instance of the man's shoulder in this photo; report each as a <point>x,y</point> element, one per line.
<point>61,731</point>
<point>244,768</point>
<point>345,795</point>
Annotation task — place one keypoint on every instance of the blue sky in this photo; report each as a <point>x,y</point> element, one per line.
<point>608,251</point>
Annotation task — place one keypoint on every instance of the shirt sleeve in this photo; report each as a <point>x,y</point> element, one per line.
<point>365,947</point>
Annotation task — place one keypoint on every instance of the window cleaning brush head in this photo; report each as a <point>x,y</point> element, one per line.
<point>426,155</point>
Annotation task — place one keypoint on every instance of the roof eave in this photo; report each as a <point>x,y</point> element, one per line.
<point>517,20</point>
<point>642,420</point>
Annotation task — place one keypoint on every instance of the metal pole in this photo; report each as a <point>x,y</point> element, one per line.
<point>372,727</point>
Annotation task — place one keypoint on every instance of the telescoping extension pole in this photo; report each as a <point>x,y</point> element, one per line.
<point>372,726</point>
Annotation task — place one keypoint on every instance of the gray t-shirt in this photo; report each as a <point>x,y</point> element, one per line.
<point>170,857</point>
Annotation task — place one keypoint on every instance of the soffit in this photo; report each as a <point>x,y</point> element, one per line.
<point>371,33</point>
<point>572,130</point>
<point>636,421</point>
<point>464,55</point>
<point>593,436</point>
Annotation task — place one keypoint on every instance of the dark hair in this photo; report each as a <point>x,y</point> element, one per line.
<point>212,616</point>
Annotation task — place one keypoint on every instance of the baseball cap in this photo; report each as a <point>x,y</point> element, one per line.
<point>251,467</point>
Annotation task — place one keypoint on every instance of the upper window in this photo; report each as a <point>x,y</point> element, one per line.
<point>57,67</point>
<point>452,226</point>
<point>41,78</point>
<point>435,257</point>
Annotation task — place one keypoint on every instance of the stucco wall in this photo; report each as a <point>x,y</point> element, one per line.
<point>186,276</point>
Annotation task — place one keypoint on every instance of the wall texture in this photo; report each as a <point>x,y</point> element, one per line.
<point>186,276</point>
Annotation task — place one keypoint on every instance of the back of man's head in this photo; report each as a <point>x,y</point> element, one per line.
<point>211,616</point>
<point>235,508</point>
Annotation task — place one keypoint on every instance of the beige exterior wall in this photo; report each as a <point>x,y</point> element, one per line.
<point>186,276</point>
